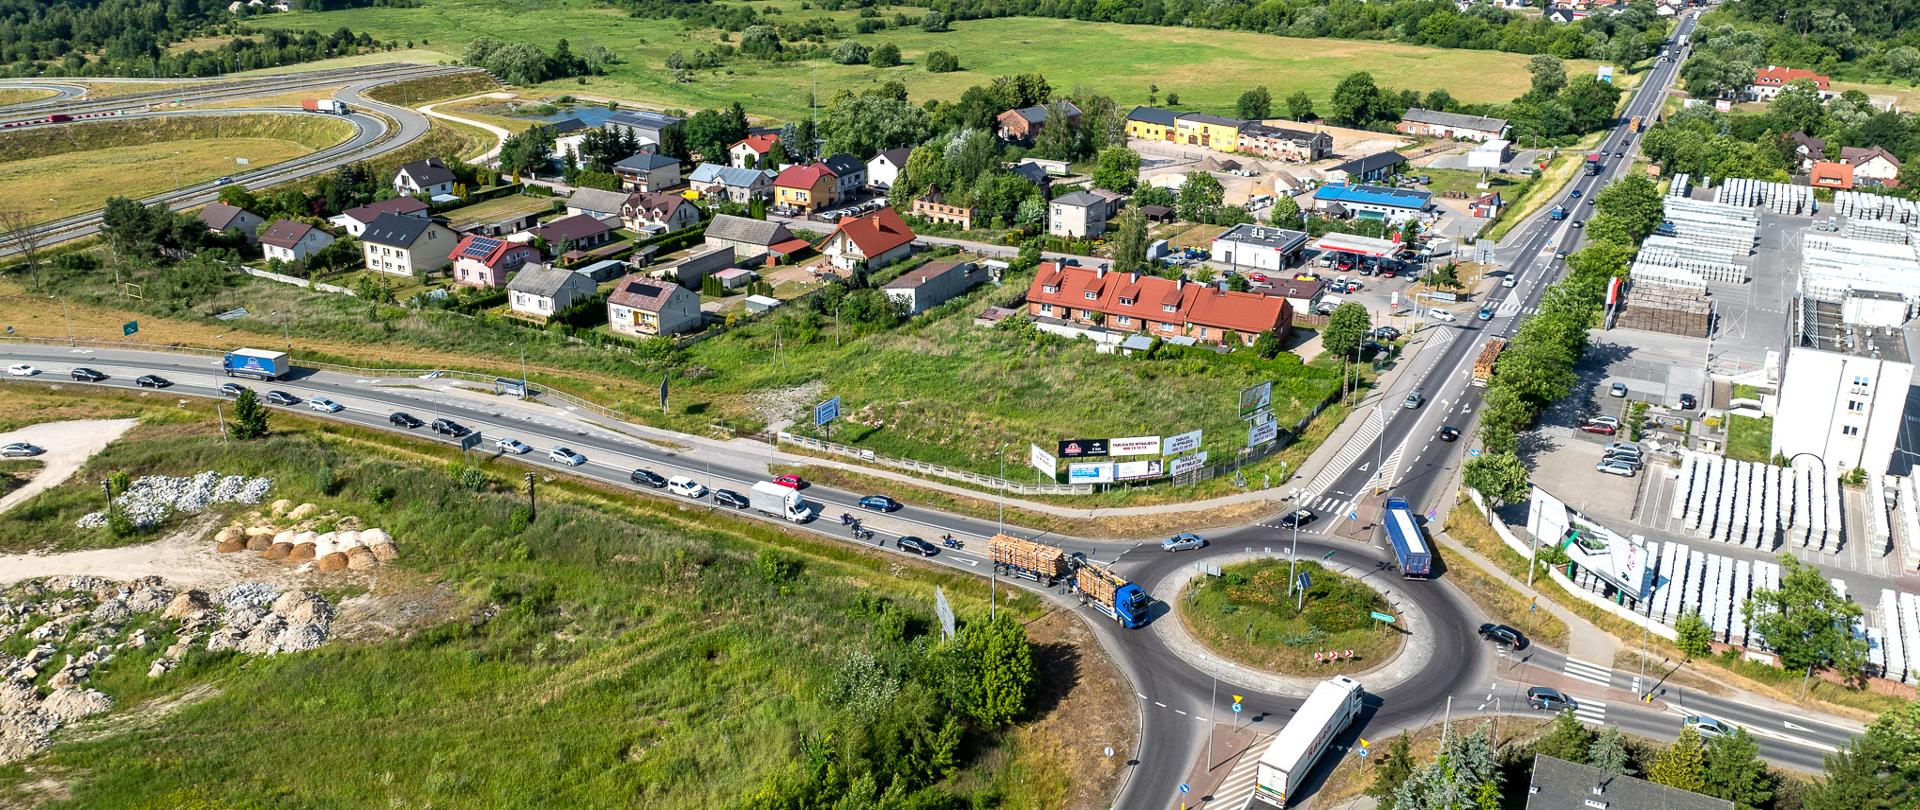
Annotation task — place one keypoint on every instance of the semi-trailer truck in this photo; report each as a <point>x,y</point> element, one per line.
<point>1017,557</point>
<point>1593,163</point>
<point>1409,545</point>
<point>1291,754</point>
<point>1112,594</point>
<point>778,501</point>
<point>324,105</point>
<point>257,363</point>
<point>1483,365</point>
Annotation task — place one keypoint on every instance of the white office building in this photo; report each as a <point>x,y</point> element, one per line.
<point>1843,391</point>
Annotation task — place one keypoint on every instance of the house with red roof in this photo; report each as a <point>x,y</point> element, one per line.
<point>747,152</point>
<point>805,188</point>
<point>486,262</point>
<point>1154,306</point>
<point>1825,174</point>
<point>1769,82</point>
<point>877,240</point>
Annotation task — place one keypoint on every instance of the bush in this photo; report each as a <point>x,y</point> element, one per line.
<point>850,53</point>
<point>885,56</point>
<point>942,62</point>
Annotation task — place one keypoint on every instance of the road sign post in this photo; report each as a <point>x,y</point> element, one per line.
<point>127,329</point>
<point>823,416</point>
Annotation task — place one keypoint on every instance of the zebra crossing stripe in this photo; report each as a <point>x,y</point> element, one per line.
<point>1591,673</point>
<point>1592,711</point>
<point>1237,791</point>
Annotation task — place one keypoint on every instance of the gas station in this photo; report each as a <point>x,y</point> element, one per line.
<point>1335,247</point>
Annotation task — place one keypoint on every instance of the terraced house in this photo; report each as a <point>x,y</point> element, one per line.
<point>1151,124</point>
<point>1150,305</point>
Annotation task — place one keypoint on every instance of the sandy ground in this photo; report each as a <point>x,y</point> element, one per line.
<point>69,445</point>
<point>183,558</point>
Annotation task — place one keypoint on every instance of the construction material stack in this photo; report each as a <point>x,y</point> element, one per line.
<point>1017,557</point>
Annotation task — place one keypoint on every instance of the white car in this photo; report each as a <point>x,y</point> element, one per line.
<point>1439,314</point>
<point>686,487</point>
<point>565,455</point>
<point>324,405</point>
<point>1707,727</point>
<point>514,446</point>
<point>22,370</point>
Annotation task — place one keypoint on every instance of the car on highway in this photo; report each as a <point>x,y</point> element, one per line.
<point>646,477</point>
<point>790,481</point>
<point>1503,636</point>
<point>1510,280</point>
<point>1560,254</point>
<point>514,446</point>
<point>448,427</point>
<point>1616,467</point>
<point>1618,389</point>
<point>727,497</point>
<point>21,450</point>
<point>1549,699</point>
<point>1707,727</point>
<point>224,180</point>
<point>1386,333</point>
<point>1297,518</point>
<point>566,455</point>
<point>403,419</point>
<point>1449,433</point>
<point>1183,542</point>
<point>1579,223</point>
<point>686,487</point>
<point>282,398</point>
<point>1688,402</point>
<point>1485,313</point>
<point>22,370</point>
<point>232,389</point>
<point>84,374</point>
<point>324,405</point>
<point>1439,314</point>
<point>1575,193</point>
<point>915,545</point>
<point>151,381</point>
<point>1414,400</point>
<point>1620,153</point>
<point>879,503</point>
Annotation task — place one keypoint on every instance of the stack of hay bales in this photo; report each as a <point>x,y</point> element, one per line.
<point>347,547</point>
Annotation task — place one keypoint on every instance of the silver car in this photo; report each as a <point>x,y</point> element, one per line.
<point>1620,468</point>
<point>1183,542</point>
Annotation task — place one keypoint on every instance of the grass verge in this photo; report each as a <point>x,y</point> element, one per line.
<point>1501,603</point>
<point>1247,615</point>
<point>414,92</point>
<point>22,95</point>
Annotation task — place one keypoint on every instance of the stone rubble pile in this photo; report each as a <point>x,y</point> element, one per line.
<point>77,626</point>
<point>302,533</point>
<point>152,498</point>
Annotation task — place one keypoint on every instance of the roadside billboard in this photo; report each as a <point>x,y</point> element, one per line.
<point>1134,446</point>
<point>1131,470</point>
<point>1090,472</point>
<point>1043,461</point>
<point>1183,443</point>
<point>1261,431</point>
<point>1082,448</point>
<point>1187,464</point>
<point>1255,399</point>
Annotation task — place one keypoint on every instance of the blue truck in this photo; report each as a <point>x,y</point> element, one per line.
<point>257,363</point>
<point>1558,213</point>
<point>1112,595</point>
<point>1409,545</point>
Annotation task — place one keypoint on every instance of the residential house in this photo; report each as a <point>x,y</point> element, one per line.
<point>541,290</point>
<point>1080,214</point>
<point>1258,247</point>
<point>598,203</point>
<point>406,246</point>
<point>933,207</point>
<point>648,172</point>
<point>1052,168</point>
<point>291,241</point>
<point>1303,294</point>
<point>1370,169</point>
<point>1280,143</point>
<point>751,239</point>
<point>1212,131</point>
<point>1828,174</point>
<point>1486,206</point>
<point>716,182</point>
<point>884,169</point>
<point>749,152</point>
<point>1808,149</point>
<point>1021,125</point>
<point>875,240</point>
<point>1392,205</point>
<point>647,126</point>
<point>1114,200</point>
<point>645,307</point>
<point>1769,82</point>
<point>485,262</point>
<point>1437,124</point>
<point>1155,306</point>
<point>568,136</point>
<point>578,232</point>
<point>652,213</point>
<point>355,220</point>
<point>1033,173</point>
<point>1557,784</point>
<point>805,188</point>
<point>1564,15</point>
<point>1152,124</point>
<point>1872,165</point>
<point>428,178</point>
<point>933,284</point>
<point>849,173</point>
<point>220,217</point>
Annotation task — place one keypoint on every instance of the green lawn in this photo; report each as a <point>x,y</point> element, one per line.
<point>1467,182</point>
<point>499,208</point>
<point>1247,614</point>
<point>1749,439</point>
<point>1208,69</point>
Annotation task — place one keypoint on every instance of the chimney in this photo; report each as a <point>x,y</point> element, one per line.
<point>1222,284</point>
<point>1100,272</point>
<point>1180,283</point>
<point>1134,277</point>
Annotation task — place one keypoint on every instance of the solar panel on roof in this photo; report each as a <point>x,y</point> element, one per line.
<point>481,247</point>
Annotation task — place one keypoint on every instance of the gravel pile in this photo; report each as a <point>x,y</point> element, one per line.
<point>153,498</point>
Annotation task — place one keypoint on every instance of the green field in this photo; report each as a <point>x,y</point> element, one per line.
<point>1208,69</point>
<point>1247,614</point>
<point>21,95</point>
<point>618,651</point>
<point>1749,439</point>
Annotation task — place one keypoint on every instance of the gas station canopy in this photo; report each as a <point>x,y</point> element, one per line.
<point>1357,245</point>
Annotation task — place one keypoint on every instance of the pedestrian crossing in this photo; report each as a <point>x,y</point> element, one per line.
<point>1590,710</point>
<point>1591,673</point>
<point>1508,308</point>
<point>1237,792</point>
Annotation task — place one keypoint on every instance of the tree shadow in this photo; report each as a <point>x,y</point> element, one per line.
<point>1057,674</point>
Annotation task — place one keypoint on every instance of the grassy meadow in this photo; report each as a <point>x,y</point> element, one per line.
<point>22,95</point>
<point>1247,615</point>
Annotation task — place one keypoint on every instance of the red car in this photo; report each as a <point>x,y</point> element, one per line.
<point>1602,429</point>
<point>792,481</point>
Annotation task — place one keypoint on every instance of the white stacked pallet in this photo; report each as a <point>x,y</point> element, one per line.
<point>1756,505</point>
<point>1879,533</point>
<point>1696,583</point>
<point>1770,522</point>
<point>1681,185</point>
<point>1713,597</point>
<point>1671,580</point>
<point>1702,485</point>
<point>1892,634</point>
<point>1835,535</point>
<point>1910,519</point>
<point>1683,490</point>
<point>1742,580</point>
<point>1876,644</point>
<point>1872,230</point>
<point>1816,513</point>
<point>1710,502</point>
<point>1910,620</point>
<point>1839,586</point>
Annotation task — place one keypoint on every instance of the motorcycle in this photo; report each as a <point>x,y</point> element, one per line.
<point>950,542</point>
<point>846,519</point>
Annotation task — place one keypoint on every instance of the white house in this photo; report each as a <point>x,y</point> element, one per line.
<point>654,213</point>
<point>423,178</point>
<point>406,246</point>
<point>877,240</point>
<point>541,290</point>
<point>1843,390</point>
<point>1258,247</point>
<point>220,217</point>
<point>749,151</point>
<point>354,220</point>
<point>848,172</point>
<point>885,168</point>
<point>291,241</point>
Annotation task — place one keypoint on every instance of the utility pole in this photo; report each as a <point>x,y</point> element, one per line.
<point>1211,703</point>
<point>1293,554</point>
<point>993,575</point>
<point>523,370</point>
<point>533,510</point>
<point>1446,723</point>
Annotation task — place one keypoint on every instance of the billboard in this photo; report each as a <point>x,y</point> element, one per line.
<point>1043,461</point>
<point>1605,74</point>
<point>1091,472</point>
<point>826,412</point>
<point>1082,448</point>
<point>1618,561</point>
<point>1261,431</point>
<point>1131,470</point>
<point>1255,399</point>
<point>1187,464</point>
<point>1134,446</point>
<point>1183,443</point>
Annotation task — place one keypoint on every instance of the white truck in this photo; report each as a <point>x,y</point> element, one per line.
<point>779,501</point>
<point>1290,755</point>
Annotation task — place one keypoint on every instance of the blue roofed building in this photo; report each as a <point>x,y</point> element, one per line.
<point>714,181</point>
<point>1394,205</point>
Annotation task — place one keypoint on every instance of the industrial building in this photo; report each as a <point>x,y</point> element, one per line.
<point>1843,390</point>
<point>1257,247</point>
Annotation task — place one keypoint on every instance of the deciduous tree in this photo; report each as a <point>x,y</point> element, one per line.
<point>1116,168</point>
<point>1681,765</point>
<point>1130,243</point>
<point>1806,622</point>
<point>1346,328</point>
<point>1300,106</point>
<point>1734,771</point>
<point>1693,635</point>
<point>1358,102</point>
<point>1255,104</point>
<point>1499,476</point>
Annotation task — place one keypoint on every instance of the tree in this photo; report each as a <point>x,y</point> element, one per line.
<point>935,22</point>
<point>1549,76</point>
<point>1358,102</point>
<point>1681,765</point>
<point>1394,768</point>
<point>1059,139</point>
<point>1346,328</point>
<point>1440,100</point>
<point>1285,213</point>
<point>1809,625</point>
<point>997,674</point>
<point>1798,108</point>
<point>1693,634</point>
<point>709,132</point>
<point>1255,104</point>
<point>1200,193</point>
<point>1498,476</point>
<point>1878,770</point>
<point>1734,771</point>
<point>864,125</point>
<point>1566,739</point>
<point>1130,242</point>
<point>249,416</point>
<point>942,62</point>
<point>1300,106</point>
<point>1466,774</point>
<point>1609,752</point>
<point>885,56</point>
<point>851,52</point>
<point>1173,99</point>
<point>19,234</point>
<point>527,152</point>
<point>1116,168</point>
<point>1268,345</point>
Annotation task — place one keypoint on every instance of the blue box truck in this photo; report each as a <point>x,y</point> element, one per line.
<point>257,363</point>
<point>1409,545</point>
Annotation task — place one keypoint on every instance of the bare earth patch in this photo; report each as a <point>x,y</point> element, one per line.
<point>69,445</point>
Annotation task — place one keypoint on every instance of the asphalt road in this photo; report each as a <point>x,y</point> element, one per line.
<point>76,103</point>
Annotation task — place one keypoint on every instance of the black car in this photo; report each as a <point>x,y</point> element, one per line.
<point>1688,402</point>
<point>727,497</point>
<point>1540,697</point>
<point>405,420</point>
<point>448,427</point>
<point>232,389</point>
<point>916,545</point>
<point>648,478</point>
<point>282,398</point>
<point>152,381</point>
<point>1297,518</point>
<point>1386,333</point>
<point>85,374</point>
<point>1449,433</point>
<point>1503,636</point>
<point>879,503</point>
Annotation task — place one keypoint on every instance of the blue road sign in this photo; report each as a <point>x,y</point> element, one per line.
<point>826,412</point>
<point>1473,453</point>
<point>1237,707</point>
<point>1382,617</point>
<point>1306,582</point>
<point>1184,788</point>
<point>129,328</point>
<point>1353,515</point>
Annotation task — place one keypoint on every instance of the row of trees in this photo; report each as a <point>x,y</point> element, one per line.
<point>1850,38</point>
<point>526,63</point>
<point>1555,109</point>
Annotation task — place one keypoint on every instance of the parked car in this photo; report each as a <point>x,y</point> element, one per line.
<point>727,497</point>
<point>85,374</point>
<point>1688,402</point>
<point>282,398</point>
<point>1707,727</point>
<point>686,487</point>
<point>1414,400</point>
<point>232,389</point>
<point>1613,446</point>
<point>22,370</point>
<point>1297,518</point>
<point>879,503</point>
<point>405,420</point>
<point>646,477</point>
<point>1541,697</point>
<point>21,450</point>
<point>514,446</point>
<point>1386,333</point>
<point>324,405</point>
<point>151,381</point>
<point>1183,541</point>
<point>566,455</point>
<point>1449,433</point>
<point>1618,389</point>
<point>1601,428</point>
<point>1439,314</point>
<point>448,427</point>
<point>1609,421</point>
<point>1503,636</point>
<point>1616,467</point>
<point>916,545</point>
<point>791,481</point>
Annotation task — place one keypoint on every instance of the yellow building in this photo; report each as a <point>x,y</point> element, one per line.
<point>1212,131</point>
<point>806,187</point>
<point>1151,124</point>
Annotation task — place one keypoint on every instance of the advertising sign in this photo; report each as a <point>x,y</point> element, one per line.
<point>1183,443</point>
<point>1187,464</point>
<point>1131,470</point>
<point>1262,431</point>
<point>1255,399</point>
<point>1134,446</point>
<point>1092,472</point>
<point>826,412</point>
<point>1043,461</point>
<point>1082,448</point>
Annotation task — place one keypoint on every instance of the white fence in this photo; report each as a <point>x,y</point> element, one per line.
<point>989,481</point>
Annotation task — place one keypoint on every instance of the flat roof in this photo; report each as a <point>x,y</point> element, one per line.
<point>1250,234</point>
<point>1363,245</point>
<point>1384,196</point>
<point>1822,326</point>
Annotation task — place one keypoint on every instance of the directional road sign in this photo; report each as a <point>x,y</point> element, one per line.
<point>1382,617</point>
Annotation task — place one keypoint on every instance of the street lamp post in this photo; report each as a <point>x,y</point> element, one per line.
<point>1293,554</point>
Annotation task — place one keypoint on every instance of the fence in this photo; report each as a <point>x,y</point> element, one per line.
<point>294,280</point>
<point>934,469</point>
